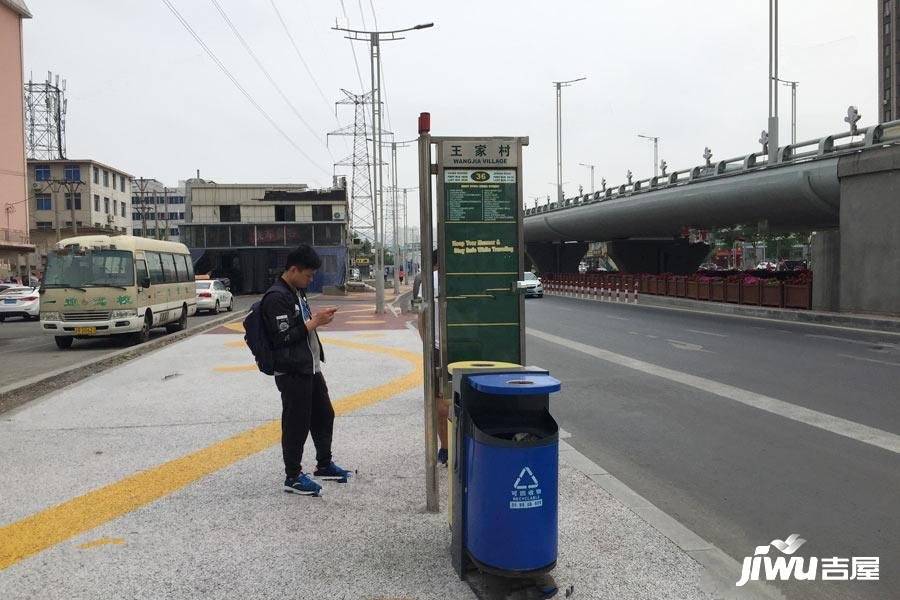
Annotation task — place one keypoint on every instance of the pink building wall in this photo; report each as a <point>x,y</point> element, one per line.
<point>13,182</point>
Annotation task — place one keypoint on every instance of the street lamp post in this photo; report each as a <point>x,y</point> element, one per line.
<point>374,38</point>
<point>773,81</point>
<point>559,85</point>
<point>793,85</point>
<point>655,141</point>
<point>591,167</point>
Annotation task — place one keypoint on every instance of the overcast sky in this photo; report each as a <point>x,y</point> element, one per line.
<point>144,97</point>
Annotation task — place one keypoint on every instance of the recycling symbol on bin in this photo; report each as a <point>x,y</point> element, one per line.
<point>525,485</point>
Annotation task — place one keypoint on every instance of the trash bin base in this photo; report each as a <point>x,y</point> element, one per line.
<point>505,573</point>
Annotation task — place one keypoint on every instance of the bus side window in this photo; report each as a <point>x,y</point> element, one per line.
<point>181,263</point>
<point>168,263</point>
<point>140,271</point>
<point>154,264</point>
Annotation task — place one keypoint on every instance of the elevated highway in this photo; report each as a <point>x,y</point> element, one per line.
<point>845,186</point>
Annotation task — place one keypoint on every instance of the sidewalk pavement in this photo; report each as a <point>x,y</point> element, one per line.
<point>161,478</point>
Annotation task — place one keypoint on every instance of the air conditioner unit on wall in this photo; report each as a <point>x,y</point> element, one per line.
<point>337,216</point>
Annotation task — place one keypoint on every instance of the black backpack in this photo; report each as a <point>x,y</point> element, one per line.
<point>257,339</point>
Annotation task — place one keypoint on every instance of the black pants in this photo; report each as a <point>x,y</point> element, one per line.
<point>305,408</point>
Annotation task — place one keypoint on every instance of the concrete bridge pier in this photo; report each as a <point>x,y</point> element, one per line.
<point>666,255</point>
<point>556,257</point>
<point>857,268</point>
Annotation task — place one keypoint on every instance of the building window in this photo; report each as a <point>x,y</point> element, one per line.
<point>96,203</point>
<point>72,173</point>
<point>121,184</point>
<point>105,178</point>
<point>173,231</point>
<point>230,213</point>
<point>42,173</point>
<point>284,213</point>
<point>44,225</point>
<point>106,205</point>
<point>44,202</point>
<point>77,201</point>
<point>321,212</point>
<point>123,208</point>
<point>887,29</point>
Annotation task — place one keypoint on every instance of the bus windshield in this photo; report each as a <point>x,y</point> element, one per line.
<point>85,267</point>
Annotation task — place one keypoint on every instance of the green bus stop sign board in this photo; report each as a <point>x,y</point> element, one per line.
<point>481,250</point>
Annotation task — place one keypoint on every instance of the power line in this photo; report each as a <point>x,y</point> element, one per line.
<point>240,88</point>
<point>259,64</point>
<point>362,86</point>
<point>387,111</point>
<point>299,54</point>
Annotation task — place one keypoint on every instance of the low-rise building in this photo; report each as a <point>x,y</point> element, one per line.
<point>76,197</point>
<point>157,211</point>
<point>245,231</point>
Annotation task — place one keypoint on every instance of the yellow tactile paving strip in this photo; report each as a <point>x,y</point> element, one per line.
<point>56,524</point>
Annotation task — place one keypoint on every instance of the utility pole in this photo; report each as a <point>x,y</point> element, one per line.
<point>591,167</point>
<point>773,81</point>
<point>374,38</point>
<point>395,190</point>
<point>559,183</point>
<point>793,85</point>
<point>655,152</point>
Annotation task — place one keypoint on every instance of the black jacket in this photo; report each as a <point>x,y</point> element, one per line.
<point>286,330</point>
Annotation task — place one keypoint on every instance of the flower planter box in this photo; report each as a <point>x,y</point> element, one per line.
<point>703,290</point>
<point>653,285</point>
<point>733,292</point>
<point>645,284</point>
<point>693,289</point>
<point>681,286</point>
<point>751,293</point>
<point>773,295</point>
<point>717,290</point>
<point>672,286</point>
<point>798,296</point>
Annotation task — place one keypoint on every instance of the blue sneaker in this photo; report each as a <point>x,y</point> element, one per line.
<point>442,456</point>
<point>303,485</point>
<point>332,472</point>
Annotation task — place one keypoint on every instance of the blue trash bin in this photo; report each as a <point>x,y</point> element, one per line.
<point>506,505</point>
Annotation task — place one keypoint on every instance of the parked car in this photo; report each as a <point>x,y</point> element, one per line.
<point>20,301</point>
<point>533,288</point>
<point>708,267</point>
<point>792,265</point>
<point>212,295</point>
<point>766,266</point>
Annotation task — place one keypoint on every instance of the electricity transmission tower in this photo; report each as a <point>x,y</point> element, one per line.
<point>45,119</point>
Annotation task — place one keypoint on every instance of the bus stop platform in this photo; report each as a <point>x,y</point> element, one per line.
<point>162,478</point>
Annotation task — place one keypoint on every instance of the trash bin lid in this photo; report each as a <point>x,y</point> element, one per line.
<point>515,384</point>
<point>480,364</point>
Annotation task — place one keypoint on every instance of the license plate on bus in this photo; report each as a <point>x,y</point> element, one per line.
<point>85,330</point>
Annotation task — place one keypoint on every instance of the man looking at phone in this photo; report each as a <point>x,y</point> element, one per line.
<point>292,327</point>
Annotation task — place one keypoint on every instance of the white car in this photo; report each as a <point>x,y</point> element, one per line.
<point>212,295</point>
<point>533,286</point>
<point>20,301</point>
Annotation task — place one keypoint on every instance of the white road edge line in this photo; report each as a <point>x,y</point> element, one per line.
<point>721,335</point>
<point>720,570</point>
<point>871,360</point>
<point>843,427</point>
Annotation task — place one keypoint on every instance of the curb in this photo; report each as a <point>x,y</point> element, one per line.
<point>872,323</point>
<point>13,396</point>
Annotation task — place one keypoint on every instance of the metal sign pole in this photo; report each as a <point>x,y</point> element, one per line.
<point>432,490</point>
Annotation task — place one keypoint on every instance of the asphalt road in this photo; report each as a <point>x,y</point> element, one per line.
<point>25,351</point>
<point>709,455</point>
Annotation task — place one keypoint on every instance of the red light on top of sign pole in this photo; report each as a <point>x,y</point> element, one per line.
<point>424,122</point>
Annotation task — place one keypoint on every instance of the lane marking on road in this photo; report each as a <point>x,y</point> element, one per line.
<point>850,429</point>
<point>56,524</point>
<point>687,346</point>
<point>871,360</point>
<point>721,335</point>
<point>885,345</point>
<point>615,318</point>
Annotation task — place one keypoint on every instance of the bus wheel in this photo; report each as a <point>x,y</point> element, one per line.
<point>63,342</point>
<point>143,335</point>
<point>181,324</point>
